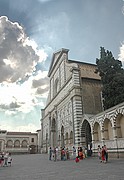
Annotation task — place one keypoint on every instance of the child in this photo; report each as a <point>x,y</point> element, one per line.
<point>77,159</point>
<point>81,155</point>
<point>9,159</point>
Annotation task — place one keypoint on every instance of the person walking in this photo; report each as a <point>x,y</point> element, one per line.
<point>106,153</point>
<point>50,153</point>
<point>74,152</point>
<point>81,153</point>
<point>54,152</point>
<point>102,154</point>
<point>99,152</point>
<point>57,153</point>
<point>67,154</point>
<point>63,154</point>
<point>6,159</point>
<point>2,158</point>
<point>9,159</point>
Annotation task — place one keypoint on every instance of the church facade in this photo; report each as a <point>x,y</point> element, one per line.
<point>74,114</point>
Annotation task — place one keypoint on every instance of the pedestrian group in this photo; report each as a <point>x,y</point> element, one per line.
<point>63,154</point>
<point>5,159</point>
<point>103,154</point>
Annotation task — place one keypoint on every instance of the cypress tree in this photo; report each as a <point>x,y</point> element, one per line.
<point>112,77</point>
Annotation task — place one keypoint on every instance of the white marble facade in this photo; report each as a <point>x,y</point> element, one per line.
<point>74,114</point>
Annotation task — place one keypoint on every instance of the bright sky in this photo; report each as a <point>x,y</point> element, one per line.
<point>31,30</point>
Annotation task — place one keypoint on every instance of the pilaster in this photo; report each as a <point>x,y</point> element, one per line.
<point>77,116</point>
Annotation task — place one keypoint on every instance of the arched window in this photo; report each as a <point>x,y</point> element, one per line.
<point>96,132</point>
<point>24,144</point>
<point>17,144</point>
<point>9,144</point>
<point>62,136</point>
<point>56,85</point>
<point>120,126</point>
<point>108,134</point>
<point>69,108</point>
<point>66,138</point>
<point>71,137</point>
<point>59,141</point>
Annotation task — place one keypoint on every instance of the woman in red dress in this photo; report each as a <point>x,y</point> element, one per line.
<point>103,154</point>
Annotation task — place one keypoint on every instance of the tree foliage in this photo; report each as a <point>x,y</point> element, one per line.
<point>112,77</point>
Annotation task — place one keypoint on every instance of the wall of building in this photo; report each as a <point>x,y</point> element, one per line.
<point>72,115</point>
<point>19,142</point>
<point>91,96</point>
<point>107,128</point>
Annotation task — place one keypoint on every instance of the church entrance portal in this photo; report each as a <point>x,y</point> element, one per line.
<point>62,137</point>
<point>86,137</point>
<point>53,133</point>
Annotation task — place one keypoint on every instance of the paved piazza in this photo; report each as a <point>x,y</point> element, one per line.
<point>38,167</point>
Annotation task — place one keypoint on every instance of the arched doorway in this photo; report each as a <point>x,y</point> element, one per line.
<point>62,137</point>
<point>53,133</point>
<point>71,137</point>
<point>96,132</point>
<point>66,138</point>
<point>120,126</point>
<point>86,136</point>
<point>108,134</point>
<point>46,142</point>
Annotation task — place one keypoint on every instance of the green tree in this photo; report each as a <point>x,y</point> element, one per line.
<point>112,77</point>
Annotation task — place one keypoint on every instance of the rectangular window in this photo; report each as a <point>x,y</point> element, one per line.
<point>32,139</point>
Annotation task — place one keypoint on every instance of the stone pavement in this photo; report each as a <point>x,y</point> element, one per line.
<point>38,167</point>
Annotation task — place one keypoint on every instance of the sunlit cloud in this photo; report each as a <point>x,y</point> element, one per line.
<point>39,52</point>
<point>44,1</point>
<point>121,54</point>
<point>18,54</point>
<point>20,83</point>
<point>23,97</point>
<point>30,127</point>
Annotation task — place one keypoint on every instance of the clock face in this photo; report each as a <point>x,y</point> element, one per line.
<point>122,10</point>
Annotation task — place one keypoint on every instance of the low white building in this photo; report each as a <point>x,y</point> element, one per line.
<point>18,142</point>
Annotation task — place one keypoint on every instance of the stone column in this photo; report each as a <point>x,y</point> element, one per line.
<point>116,140</point>
<point>76,105</point>
<point>56,127</point>
<point>41,135</point>
<point>53,131</point>
<point>49,129</point>
<point>102,137</point>
<point>114,132</point>
<point>42,130</point>
<point>93,142</point>
<point>52,138</point>
<point>77,115</point>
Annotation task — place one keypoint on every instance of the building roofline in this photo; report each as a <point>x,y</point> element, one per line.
<point>80,62</point>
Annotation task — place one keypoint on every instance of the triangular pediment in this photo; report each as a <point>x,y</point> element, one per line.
<point>55,58</point>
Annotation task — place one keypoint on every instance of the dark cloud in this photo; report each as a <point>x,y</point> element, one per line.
<point>40,82</point>
<point>42,91</point>
<point>81,26</point>
<point>11,106</point>
<point>16,57</point>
